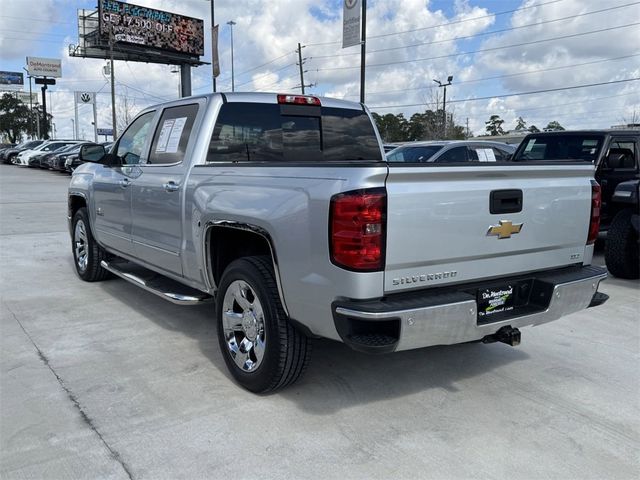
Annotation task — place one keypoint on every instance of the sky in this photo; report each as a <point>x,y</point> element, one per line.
<point>498,51</point>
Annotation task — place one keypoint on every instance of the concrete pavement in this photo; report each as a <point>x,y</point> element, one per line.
<point>107,381</point>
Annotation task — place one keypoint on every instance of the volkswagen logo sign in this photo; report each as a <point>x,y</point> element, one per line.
<point>350,3</point>
<point>85,97</point>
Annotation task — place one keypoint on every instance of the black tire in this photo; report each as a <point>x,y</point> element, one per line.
<point>89,268</point>
<point>286,351</point>
<point>621,248</point>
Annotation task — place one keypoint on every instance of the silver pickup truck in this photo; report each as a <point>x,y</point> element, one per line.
<point>283,209</point>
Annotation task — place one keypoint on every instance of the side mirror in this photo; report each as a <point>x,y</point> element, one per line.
<point>92,153</point>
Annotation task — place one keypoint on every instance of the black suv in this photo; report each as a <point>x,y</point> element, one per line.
<point>616,154</point>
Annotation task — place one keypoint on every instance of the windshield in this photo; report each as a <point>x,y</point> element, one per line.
<point>413,154</point>
<point>576,148</point>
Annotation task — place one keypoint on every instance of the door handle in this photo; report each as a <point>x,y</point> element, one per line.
<point>124,183</point>
<point>171,186</point>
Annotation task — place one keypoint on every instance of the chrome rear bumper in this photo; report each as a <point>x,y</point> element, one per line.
<point>446,317</point>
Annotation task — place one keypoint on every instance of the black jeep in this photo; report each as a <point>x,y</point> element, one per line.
<point>615,153</point>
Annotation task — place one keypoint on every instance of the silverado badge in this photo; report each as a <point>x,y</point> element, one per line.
<point>505,229</point>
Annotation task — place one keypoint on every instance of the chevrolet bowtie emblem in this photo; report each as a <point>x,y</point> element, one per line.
<point>505,229</point>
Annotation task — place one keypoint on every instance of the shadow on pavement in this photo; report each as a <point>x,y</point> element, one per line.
<point>337,377</point>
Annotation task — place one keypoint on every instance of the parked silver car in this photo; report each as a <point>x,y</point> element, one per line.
<point>452,151</point>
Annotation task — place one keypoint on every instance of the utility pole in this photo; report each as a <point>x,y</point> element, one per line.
<point>231,23</point>
<point>300,62</point>
<point>467,127</point>
<point>444,104</point>
<point>363,50</point>
<point>113,88</point>
<point>301,71</point>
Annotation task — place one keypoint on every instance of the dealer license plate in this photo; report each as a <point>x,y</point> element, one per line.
<point>493,301</point>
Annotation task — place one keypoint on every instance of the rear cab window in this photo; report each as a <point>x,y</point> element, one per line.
<point>261,132</point>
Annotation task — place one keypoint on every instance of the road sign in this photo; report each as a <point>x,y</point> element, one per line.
<point>45,81</point>
<point>105,131</point>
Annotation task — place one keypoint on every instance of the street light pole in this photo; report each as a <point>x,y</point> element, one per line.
<point>444,103</point>
<point>30,100</point>
<point>231,23</point>
<point>213,26</point>
<point>73,126</point>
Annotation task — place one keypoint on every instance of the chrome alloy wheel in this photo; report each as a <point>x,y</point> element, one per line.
<point>80,244</point>
<point>243,323</point>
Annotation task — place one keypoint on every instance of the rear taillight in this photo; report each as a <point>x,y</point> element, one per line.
<point>596,203</point>
<point>357,225</point>
<point>298,99</point>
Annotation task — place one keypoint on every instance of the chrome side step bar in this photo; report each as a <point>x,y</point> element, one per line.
<point>155,283</point>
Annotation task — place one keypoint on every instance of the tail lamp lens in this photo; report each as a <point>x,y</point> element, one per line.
<point>357,229</point>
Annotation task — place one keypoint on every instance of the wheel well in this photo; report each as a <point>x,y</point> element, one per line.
<point>227,244</point>
<point>76,202</point>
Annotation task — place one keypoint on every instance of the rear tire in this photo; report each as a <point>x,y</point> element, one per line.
<point>87,254</point>
<point>621,248</point>
<point>261,349</point>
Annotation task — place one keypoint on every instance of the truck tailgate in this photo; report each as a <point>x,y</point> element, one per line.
<point>439,219</point>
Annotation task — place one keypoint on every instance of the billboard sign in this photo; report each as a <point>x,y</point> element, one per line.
<point>11,79</point>
<point>22,96</point>
<point>44,67</point>
<point>147,27</point>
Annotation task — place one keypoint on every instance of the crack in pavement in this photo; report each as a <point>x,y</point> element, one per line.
<point>85,418</point>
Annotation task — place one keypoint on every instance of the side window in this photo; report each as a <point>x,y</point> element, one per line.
<point>455,155</point>
<point>132,142</point>
<point>622,154</point>
<point>172,134</point>
<point>501,155</point>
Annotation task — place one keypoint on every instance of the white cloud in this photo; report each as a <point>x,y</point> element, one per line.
<point>267,30</point>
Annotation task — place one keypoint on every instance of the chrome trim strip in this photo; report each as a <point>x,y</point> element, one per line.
<point>121,237</point>
<point>246,227</point>
<point>170,252</point>
<point>177,298</point>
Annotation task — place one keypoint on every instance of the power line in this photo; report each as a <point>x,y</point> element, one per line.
<point>260,66</point>
<point>509,75</point>
<point>492,49</point>
<point>266,74</point>
<point>466,37</point>
<point>516,94</point>
<point>455,22</point>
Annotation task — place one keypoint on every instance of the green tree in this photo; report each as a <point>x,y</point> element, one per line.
<point>16,119</point>
<point>554,126</point>
<point>392,128</point>
<point>533,129</point>
<point>521,124</point>
<point>494,126</point>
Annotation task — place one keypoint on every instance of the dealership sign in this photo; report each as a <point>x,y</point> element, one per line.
<point>88,98</point>
<point>147,27</point>
<point>351,23</point>
<point>44,67</point>
<point>11,79</point>
<point>22,96</point>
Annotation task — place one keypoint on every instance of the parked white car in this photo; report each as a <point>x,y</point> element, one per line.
<point>47,147</point>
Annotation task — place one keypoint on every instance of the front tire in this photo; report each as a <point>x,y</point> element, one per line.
<point>261,349</point>
<point>621,247</point>
<point>87,254</point>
